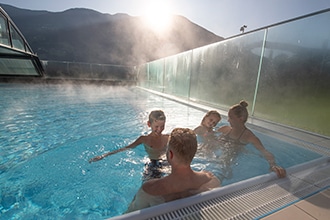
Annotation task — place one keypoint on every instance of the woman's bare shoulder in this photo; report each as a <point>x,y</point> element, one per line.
<point>249,136</point>
<point>224,129</point>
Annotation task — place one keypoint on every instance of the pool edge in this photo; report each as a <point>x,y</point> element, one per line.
<point>271,179</point>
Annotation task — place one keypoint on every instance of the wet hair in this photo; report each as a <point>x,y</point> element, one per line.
<point>240,110</point>
<point>184,143</point>
<point>157,115</point>
<point>211,112</point>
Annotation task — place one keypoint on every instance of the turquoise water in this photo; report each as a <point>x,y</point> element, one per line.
<point>49,132</point>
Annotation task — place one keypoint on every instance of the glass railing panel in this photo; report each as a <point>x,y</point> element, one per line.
<point>226,72</point>
<point>142,75</point>
<point>56,69</point>
<point>294,84</point>
<point>156,75</point>
<point>177,74</point>
<point>79,70</point>
<point>88,71</point>
<point>283,71</point>
<point>170,74</point>
<point>110,72</point>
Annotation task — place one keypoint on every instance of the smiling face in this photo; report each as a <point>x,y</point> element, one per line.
<point>157,121</point>
<point>211,121</point>
<point>157,126</point>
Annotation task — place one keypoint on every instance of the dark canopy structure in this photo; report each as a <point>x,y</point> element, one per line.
<point>16,56</point>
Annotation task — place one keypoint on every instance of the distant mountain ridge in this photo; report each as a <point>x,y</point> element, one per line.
<point>84,35</point>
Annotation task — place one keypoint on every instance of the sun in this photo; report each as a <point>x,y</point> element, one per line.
<point>157,15</point>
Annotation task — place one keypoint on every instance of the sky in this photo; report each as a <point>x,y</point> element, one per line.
<point>222,17</point>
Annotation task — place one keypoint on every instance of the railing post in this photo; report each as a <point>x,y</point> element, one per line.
<point>259,71</point>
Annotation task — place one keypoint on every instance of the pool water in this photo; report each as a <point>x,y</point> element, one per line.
<point>49,132</point>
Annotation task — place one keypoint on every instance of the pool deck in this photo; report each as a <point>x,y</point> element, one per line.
<point>313,207</point>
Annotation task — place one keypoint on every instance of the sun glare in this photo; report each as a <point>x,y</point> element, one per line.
<point>158,15</point>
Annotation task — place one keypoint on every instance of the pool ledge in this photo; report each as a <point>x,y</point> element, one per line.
<point>247,199</point>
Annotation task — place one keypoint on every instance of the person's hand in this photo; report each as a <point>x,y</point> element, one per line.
<point>97,158</point>
<point>280,171</point>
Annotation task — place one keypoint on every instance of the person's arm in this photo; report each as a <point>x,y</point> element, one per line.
<point>224,129</point>
<point>204,133</point>
<point>132,145</point>
<point>280,172</point>
<point>200,130</point>
<point>144,200</point>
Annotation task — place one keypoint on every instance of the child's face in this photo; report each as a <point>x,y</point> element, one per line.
<point>157,126</point>
<point>211,121</point>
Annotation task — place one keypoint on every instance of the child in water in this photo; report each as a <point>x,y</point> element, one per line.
<point>206,128</point>
<point>154,143</point>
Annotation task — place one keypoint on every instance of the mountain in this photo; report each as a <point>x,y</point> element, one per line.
<point>84,35</point>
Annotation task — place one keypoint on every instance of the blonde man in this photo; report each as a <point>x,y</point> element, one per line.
<point>182,181</point>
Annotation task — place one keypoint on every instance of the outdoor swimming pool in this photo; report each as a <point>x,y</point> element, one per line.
<point>48,133</point>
